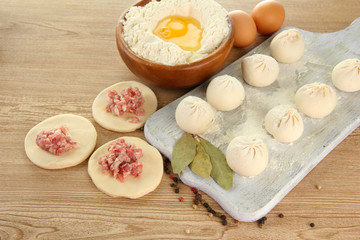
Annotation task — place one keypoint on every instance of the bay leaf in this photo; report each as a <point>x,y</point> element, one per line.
<point>183,153</point>
<point>201,165</point>
<point>221,172</point>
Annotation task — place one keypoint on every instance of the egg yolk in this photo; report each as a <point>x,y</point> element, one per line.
<point>186,32</point>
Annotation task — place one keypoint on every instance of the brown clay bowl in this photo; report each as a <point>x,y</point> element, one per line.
<point>175,76</point>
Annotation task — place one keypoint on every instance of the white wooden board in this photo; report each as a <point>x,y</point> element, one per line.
<point>252,198</point>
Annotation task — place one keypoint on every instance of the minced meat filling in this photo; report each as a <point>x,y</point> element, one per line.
<point>130,101</point>
<point>56,141</point>
<point>122,160</point>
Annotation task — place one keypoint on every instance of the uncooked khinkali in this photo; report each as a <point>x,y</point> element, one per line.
<point>247,156</point>
<point>194,115</point>
<point>346,75</point>
<point>284,123</point>
<point>288,46</point>
<point>259,70</point>
<point>316,100</point>
<point>225,93</point>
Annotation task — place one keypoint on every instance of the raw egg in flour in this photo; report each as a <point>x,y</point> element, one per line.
<point>268,16</point>
<point>245,28</point>
<point>186,32</point>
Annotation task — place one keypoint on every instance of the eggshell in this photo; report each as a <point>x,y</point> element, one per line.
<point>268,16</point>
<point>245,28</point>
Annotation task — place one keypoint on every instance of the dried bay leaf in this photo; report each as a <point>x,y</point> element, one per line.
<point>221,172</point>
<point>201,165</point>
<point>183,153</point>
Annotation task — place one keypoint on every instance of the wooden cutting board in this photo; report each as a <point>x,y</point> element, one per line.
<point>252,198</point>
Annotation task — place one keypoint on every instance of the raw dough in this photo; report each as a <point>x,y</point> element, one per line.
<point>120,124</point>
<point>247,156</point>
<point>288,46</point>
<point>194,115</point>
<point>225,93</point>
<point>346,75</point>
<point>81,130</point>
<point>316,100</point>
<point>284,123</point>
<point>132,187</point>
<point>259,70</point>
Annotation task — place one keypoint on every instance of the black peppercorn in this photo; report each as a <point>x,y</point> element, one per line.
<point>175,179</point>
<point>206,204</point>
<point>281,215</point>
<point>223,217</point>
<point>224,222</point>
<point>196,202</point>
<point>177,190</point>
<point>312,225</point>
<point>198,196</point>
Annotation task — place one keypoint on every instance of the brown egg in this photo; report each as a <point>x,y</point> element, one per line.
<point>268,15</point>
<point>245,28</point>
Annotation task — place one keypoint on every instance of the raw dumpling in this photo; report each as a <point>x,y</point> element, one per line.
<point>247,156</point>
<point>316,100</point>
<point>81,130</point>
<point>259,70</point>
<point>225,93</point>
<point>124,122</point>
<point>346,75</point>
<point>288,46</point>
<point>132,187</point>
<point>194,115</point>
<point>284,123</point>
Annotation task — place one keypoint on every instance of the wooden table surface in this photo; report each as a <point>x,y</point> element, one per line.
<point>56,56</point>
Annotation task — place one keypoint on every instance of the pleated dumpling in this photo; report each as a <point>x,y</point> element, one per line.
<point>247,156</point>
<point>316,100</point>
<point>259,70</point>
<point>288,46</point>
<point>346,75</point>
<point>225,93</point>
<point>284,123</point>
<point>194,115</point>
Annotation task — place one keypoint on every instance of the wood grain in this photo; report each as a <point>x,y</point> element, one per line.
<point>56,56</point>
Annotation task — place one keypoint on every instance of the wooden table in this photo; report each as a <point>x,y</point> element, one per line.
<point>56,56</point>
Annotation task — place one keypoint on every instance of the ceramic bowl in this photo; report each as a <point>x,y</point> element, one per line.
<point>173,76</point>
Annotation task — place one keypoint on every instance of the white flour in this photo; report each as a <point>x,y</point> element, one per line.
<point>140,22</point>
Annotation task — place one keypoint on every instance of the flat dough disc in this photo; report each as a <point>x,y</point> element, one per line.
<point>132,187</point>
<point>81,130</point>
<point>119,123</point>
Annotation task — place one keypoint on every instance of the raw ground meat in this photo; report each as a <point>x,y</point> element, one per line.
<point>130,101</point>
<point>56,141</point>
<point>122,160</point>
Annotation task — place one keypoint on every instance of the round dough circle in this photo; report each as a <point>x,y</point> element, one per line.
<point>81,130</point>
<point>247,156</point>
<point>132,187</point>
<point>346,75</point>
<point>225,93</point>
<point>119,123</point>
<point>259,70</point>
<point>316,100</point>
<point>194,115</point>
<point>284,123</point>
<point>288,46</point>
